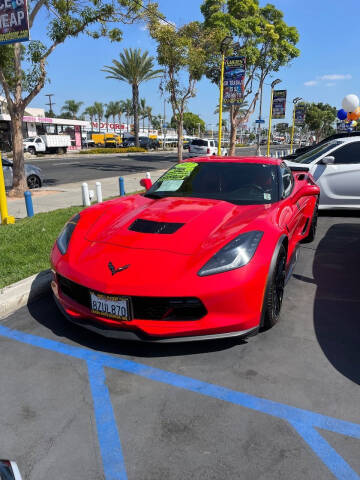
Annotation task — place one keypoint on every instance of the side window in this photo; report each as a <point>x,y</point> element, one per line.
<point>349,153</point>
<point>212,143</point>
<point>38,140</point>
<point>287,181</point>
<point>5,163</point>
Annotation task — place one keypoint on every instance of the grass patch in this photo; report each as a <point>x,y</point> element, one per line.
<point>25,247</point>
<point>112,150</point>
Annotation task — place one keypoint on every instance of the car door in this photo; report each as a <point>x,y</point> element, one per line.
<point>8,173</point>
<point>40,145</point>
<point>340,182</point>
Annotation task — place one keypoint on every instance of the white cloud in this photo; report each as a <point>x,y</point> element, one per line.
<point>330,84</point>
<point>143,28</point>
<point>311,83</point>
<point>336,76</point>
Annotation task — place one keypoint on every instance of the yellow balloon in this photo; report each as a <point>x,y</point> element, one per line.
<point>353,123</point>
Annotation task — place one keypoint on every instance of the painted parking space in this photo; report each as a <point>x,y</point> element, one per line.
<point>281,405</point>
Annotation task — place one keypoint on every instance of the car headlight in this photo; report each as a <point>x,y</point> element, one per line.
<point>235,254</point>
<point>65,235</point>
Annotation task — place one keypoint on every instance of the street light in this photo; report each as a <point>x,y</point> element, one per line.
<point>198,124</point>
<point>275,82</point>
<point>295,101</point>
<point>223,46</point>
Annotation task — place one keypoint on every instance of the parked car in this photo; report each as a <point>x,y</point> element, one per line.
<point>34,176</point>
<point>47,144</point>
<point>144,142</point>
<point>205,146</point>
<point>86,143</point>
<point>204,253</point>
<point>335,166</point>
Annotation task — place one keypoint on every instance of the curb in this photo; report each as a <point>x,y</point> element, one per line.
<point>24,292</point>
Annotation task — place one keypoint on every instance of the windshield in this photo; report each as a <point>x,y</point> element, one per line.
<point>199,143</point>
<point>29,139</point>
<point>314,153</point>
<point>238,183</point>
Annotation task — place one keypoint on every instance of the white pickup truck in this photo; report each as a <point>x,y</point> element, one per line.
<point>47,144</point>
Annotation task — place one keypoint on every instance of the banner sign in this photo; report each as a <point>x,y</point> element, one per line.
<point>279,104</point>
<point>234,76</point>
<point>300,115</point>
<point>14,21</point>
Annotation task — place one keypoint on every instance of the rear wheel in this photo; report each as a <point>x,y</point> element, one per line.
<point>275,292</point>
<point>33,181</point>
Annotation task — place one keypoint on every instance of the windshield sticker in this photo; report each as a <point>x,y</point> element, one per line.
<point>170,185</point>
<point>180,171</point>
<point>267,196</point>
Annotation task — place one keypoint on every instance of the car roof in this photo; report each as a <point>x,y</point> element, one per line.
<point>215,158</point>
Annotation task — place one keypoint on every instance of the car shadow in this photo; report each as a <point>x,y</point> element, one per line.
<point>46,313</point>
<point>336,270</point>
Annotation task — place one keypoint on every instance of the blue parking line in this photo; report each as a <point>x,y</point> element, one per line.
<point>303,421</point>
<point>109,442</point>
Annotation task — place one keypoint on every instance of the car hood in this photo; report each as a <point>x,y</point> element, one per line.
<point>31,168</point>
<point>190,223</point>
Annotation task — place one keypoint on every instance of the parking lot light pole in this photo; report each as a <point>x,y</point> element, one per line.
<point>275,82</point>
<point>225,43</point>
<point>295,101</point>
<point>6,219</point>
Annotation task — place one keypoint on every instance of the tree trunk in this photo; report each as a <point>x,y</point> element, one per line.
<point>19,185</point>
<point>180,135</point>
<point>135,98</point>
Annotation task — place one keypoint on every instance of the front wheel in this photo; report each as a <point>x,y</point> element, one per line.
<point>275,292</point>
<point>33,181</point>
<point>32,150</point>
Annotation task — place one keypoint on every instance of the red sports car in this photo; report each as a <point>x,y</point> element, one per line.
<point>204,253</point>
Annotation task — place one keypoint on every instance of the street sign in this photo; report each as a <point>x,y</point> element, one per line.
<point>259,121</point>
<point>14,21</point>
<point>234,75</point>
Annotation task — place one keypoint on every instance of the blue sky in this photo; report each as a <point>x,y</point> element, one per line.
<point>326,70</point>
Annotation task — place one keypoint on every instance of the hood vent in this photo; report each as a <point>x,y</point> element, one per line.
<point>149,226</point>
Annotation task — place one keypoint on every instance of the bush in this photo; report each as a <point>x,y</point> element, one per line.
<point>112,150</point>
<point>241,145</point>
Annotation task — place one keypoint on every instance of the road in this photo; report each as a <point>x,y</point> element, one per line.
<point>282,405</point>
<point>58,171</point>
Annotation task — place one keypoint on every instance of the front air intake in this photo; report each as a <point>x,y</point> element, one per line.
<point>149,226</point>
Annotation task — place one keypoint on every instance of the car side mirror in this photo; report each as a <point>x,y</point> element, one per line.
<point>146,183</point>
<point>328,160</point>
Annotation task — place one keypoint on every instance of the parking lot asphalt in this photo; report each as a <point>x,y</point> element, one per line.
<point>281,405</point>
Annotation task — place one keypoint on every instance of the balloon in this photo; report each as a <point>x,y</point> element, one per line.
<point>357,112</point>
<point>350,102</point>
<point>348,117</point>
<point>353,123</point>
<point>352,116</point>
<point>341,114</point>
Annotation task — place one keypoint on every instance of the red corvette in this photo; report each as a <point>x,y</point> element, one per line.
<point>204,253</point>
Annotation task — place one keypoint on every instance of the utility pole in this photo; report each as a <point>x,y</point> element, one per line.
<point>258,149</point>
<point>51,103</point>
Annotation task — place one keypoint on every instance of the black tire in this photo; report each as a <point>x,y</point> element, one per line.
<point>313,226</point>
<point>275,291</point>
<point>32,150</point>
<point>33,181</point>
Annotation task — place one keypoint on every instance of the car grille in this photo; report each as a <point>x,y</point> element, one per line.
<point>149,226</point>
<point>144,308</point>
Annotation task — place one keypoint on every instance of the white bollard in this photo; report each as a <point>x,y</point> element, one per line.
<point>98,192</point>
<point>148,175</point>
<point>85,194</point>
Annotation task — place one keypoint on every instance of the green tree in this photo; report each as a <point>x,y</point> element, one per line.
<point>320,118</point>
<point>128,110</point>
<point>262,37</point>
<point>99,112</point>
<point>191,123</point>
<point>156,122</point>
<point>91,113</point>
<point>134,68</point>
<point>61,20</point>
<point>148,111</point>
<point>183,53</point>
<point>71,108</point>
<point>112,110</point>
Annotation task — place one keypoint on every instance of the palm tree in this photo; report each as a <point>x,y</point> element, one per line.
<point>71,108</point>
<point>128,109</point>
<point>91,113</point>
<point>112,110</point>
<point>120,111</point>
<point>99,111</point>
<point>149,116</point>
<point>134,68</point>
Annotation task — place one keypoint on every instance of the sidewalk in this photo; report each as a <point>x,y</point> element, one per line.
<point>67,195</point>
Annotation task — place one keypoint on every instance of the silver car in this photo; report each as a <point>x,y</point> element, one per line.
<point>335,166</point>
<point>34,176</point>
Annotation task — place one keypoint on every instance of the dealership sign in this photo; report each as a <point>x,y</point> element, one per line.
<point>279,104</point>
<point>300,115</point>
<point>14,21</point>
<point>234,76</point>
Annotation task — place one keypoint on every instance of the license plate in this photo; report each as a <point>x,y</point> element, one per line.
<point>110,306</point>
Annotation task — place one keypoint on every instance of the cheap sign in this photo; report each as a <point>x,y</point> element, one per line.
<point>14,21</point>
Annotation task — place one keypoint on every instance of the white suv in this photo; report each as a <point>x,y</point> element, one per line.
<point>205,146</point>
